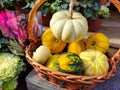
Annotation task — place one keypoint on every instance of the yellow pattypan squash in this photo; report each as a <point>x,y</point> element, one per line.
<point>98,41</point>
<point>51,42</point>
<point>76,47</point>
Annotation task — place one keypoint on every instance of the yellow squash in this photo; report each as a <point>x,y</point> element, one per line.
<point>52,62</point>
<point>95,63</point>
<point>76,47</point>
<point>51,42</point>
<point>69,62</point>
<point>98,41</point>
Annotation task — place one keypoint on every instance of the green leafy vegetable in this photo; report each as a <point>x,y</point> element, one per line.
<point>25,4</point>
<point>90,8</point>
<point>104,12</point>
<point>3,43</point>
<point>10,68</point>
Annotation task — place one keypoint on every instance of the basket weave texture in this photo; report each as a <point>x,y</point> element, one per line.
<point>59,79</point>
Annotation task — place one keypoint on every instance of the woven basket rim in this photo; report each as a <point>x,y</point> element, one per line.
<point>110,73</point>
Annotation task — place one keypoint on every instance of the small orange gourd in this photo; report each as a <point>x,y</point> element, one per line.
<point>98,41</point>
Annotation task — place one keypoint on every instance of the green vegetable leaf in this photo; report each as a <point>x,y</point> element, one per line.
<point>77,8</point>
<point>4,45</point>
<point>104,12</point>
<point>45,8</point>
<point>59,1</point>
<point>6,3</point>
<point>67,1</point>
<point>64,6</point>
<point>29,5</point>
<point>82,4</point>
<point>10,67</point>
<point>88,13</point>
<point>96,6</point>
<point>15,48</point>
<point>89,3</point>
<point>11,85</point>
<point>95,15</point>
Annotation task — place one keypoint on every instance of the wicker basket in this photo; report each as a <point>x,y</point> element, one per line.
<point>59,79</point>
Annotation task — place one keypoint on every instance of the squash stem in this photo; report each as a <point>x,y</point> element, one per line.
<point>71,5</point>
<point>71,9</point>
<point>93,43</point>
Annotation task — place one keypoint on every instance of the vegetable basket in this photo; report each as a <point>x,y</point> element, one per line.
<point>59,79</point>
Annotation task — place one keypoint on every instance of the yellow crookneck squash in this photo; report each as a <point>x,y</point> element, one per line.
<point>76,47</point>
<point>51,42</point>
<point>98,41</point>
<point>95,63</point>
<point>69,25</point>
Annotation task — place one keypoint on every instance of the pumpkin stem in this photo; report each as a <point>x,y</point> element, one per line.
<point>71,5</point>
<point>56,41</point>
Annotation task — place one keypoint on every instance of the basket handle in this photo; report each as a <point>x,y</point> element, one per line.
<point>31,16</point>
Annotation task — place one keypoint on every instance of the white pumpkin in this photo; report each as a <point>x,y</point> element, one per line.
<point>41,54</point>
<point>66,28</point>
